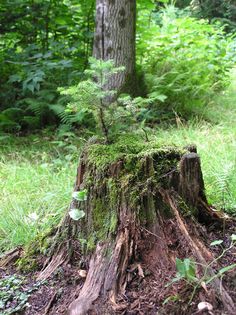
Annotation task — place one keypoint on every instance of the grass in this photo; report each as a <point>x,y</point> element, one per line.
<point>36,181</point>
<point>37,173</point>
<point>215,137</point>
<point>217,148</point>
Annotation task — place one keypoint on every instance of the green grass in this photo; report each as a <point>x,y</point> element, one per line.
<point>36,182</point>
<point>217,148</point>
<point>37,176</point>
<point>215,137</point>
<point>37,172</point>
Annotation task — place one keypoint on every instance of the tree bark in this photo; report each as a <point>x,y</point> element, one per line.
<point>115,39</point>
<point>143,210</point>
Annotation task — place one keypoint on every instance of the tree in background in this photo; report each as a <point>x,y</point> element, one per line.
<point>115,39</point>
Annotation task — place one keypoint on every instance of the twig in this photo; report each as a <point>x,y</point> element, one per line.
<point>150,233</point>
<point>50,303</point>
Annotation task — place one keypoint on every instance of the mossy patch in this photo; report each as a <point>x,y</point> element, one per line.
<point>28,262</point>
<point>129,168</point>
<point>128,148</point>
<point>102,155</point>
<point>104,218</point>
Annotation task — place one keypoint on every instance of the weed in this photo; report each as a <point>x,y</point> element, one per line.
<point>14,294</point>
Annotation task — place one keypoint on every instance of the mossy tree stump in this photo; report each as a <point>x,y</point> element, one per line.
<point>143,201</point>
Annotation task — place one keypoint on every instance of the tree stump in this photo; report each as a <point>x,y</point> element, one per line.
<point>144,204</point>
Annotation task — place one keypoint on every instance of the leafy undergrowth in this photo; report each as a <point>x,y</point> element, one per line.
<point>15,293</point>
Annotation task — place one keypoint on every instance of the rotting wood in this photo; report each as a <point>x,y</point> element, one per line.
<point>10,257</point>
<point>139,198</point>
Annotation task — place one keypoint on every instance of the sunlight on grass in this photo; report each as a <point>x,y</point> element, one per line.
<point>217,148</point>
<point>35,190</point>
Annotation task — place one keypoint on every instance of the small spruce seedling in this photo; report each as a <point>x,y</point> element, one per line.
<point>93,94</point>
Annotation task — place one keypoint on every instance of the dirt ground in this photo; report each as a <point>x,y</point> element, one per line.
<point>146,292</point>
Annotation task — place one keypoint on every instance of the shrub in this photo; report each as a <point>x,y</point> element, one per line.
<point>185,59</point>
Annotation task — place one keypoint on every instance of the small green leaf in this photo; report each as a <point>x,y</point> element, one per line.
<point>186,268</point>
<point>80,195</point>
<point>180,267</point>
<point>76,214</point>
<point>233,237</point>
<point>227,268</point>
<point>216,242</point>
<point>190,269</point>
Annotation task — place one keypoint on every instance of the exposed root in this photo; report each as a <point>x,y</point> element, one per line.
<point>10,257</point>
<point>106,274</point>
<point>200,251</point>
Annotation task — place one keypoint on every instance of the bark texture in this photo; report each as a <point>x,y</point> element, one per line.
<point>144,208</point>
<point>131,202</point>
<point>115,39</point>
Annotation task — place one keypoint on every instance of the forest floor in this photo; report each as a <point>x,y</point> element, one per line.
<point>146,294</point>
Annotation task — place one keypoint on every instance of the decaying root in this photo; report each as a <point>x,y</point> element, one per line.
<point>10,257</point>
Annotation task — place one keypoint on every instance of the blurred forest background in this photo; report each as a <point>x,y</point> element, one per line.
<point>185,60</point>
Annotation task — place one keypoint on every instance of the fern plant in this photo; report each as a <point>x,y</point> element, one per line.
<point>222,183</point>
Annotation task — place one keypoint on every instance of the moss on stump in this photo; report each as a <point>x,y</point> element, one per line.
<point>145,202</point>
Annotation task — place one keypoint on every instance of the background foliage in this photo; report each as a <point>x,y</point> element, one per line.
<point>185,60</point>
<point>46,44</point>
<point>185,53</point>
<point>43,45</point>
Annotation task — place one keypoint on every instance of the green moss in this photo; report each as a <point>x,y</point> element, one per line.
<point>102,155</point>
<point>28,261</point>
<point>130,148</point>
<point>39,246</point>
<point>99,217</point>
<point>91,242</point>
<point>144,168</point>
<point>104,218</point>
<point>27,264</point>
<point>186,210</point>
<point>113,222</point>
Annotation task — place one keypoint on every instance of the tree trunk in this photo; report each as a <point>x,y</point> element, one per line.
<point>143,211</point>
<point>115,39</point>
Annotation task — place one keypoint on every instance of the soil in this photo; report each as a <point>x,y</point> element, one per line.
<point>147,292</point>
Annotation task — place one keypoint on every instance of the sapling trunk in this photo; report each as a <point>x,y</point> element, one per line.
<point>103,123</point>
